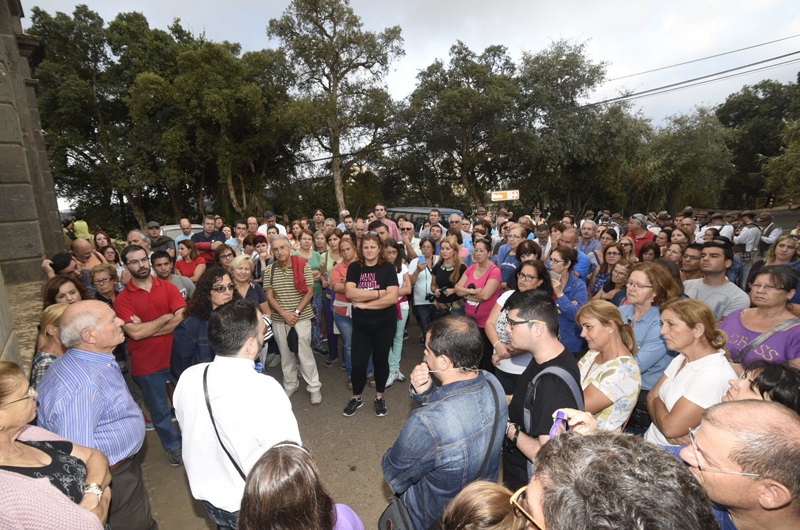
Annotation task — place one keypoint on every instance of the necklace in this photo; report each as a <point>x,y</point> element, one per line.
<point>10,458</point>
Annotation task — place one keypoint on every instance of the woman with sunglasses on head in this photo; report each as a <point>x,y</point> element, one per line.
<point>767,331</point>
<point>482,505</point>
<point>696,379</point>
<point>649,286</point>
<point>610,377</point>
<point>611,255</point>
<point>80,473</point>
<point>570,294</point>
<point>510,363</point>
<point>480,286</point>
<point>190,345</point>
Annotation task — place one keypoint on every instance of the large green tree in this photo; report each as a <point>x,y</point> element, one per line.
<point>755,114</point>
<point>340,70</point>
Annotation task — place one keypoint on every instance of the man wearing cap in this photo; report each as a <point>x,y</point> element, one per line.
<point>536,218</point>
<point>637,230</point>
<point>717,220</point>
<point>269,220</point>
<point>770,232</point>
<point>158,241</point>
<point>664,220</point>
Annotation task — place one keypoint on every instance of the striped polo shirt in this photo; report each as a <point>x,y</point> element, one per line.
<point>281,283</point>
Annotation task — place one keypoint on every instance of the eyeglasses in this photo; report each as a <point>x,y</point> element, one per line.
<point>513,323</point>
<point>625,244</point>
<point>222,288</point>
<point>613,253</point>
<point>144,261</point>
<point>406,229</point>
<point>554,260</point>
<point>527,277</point>
<point>30,394</point>
<point>226,256</point>
<point>689,257</point>
<point>693,439</point>
<point>101,281</point>
<point>519,511</point>
<point>759,286</point>
<point>638,286</point>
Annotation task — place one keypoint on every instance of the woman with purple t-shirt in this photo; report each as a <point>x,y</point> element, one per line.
<point>770,292</point>
<point>283,490</point>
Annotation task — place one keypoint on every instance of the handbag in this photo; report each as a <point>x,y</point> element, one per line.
<point>396,516</point>
<point>208,405</point>
<point>755,343</point>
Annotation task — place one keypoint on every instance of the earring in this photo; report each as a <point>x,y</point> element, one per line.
<point>2,427</point>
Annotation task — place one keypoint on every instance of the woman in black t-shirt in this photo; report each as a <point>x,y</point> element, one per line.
<point>372,288</point>
<point>446,274</point>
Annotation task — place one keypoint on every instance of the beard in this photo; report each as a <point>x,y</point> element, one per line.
<point>141,273</point>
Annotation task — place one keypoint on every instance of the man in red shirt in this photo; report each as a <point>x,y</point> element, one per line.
<point>637,230</point>
<point>151,309</point>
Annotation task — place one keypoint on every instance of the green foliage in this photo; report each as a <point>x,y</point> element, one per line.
<point>782,172</point>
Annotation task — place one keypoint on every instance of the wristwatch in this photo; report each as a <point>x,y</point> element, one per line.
<point>95,488</point>
<point>297,312</point>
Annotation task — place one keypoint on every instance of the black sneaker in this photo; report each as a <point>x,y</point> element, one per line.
<point>380,407</point>
<point>353,405</point>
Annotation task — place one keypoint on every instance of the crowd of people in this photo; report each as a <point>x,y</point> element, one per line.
<point>667,348</point>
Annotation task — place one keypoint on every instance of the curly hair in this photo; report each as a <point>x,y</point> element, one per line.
<point>200,303</point>
<point>54,284</point>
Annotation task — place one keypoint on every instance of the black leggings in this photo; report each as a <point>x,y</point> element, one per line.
<point>488,350</point>
<point>372,336</point>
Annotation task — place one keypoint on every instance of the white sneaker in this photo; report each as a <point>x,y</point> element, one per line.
<point>392,378</point>
<point>316,397</point>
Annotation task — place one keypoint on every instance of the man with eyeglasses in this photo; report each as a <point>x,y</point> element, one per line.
<point>533,327</point>
<point>236,333</point>
<point>84,398</point>
<point>151,308</point>
<point>162,265</point>
<point>409,241</point>
<point>714,288</point>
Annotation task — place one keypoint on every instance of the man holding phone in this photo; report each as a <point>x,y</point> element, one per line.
<point>533,326</point>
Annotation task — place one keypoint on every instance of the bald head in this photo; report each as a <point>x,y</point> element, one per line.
<point>82,250</point>
<point>92,326</point>
<point>569,237</point>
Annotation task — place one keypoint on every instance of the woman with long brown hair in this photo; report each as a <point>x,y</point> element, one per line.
<point>444,277</point>
<point>191,265</point>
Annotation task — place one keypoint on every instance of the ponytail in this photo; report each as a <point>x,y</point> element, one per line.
<point>628,338</point>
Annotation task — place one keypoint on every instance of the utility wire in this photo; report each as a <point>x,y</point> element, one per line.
<point>702,58</point>
<point>673,87</point>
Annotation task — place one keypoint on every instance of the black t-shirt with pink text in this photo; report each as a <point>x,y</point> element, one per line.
<point>376,277</point>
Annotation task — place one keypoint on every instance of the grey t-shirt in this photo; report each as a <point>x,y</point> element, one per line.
<point>723,299</point>
<point>184,285</point>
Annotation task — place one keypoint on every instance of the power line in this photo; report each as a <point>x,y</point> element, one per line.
<point>702,58</point>
<point>693,80</point>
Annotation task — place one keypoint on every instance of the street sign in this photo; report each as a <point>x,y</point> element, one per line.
<point>505,195</point>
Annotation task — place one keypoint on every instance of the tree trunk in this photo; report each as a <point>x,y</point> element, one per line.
<point>232,191</point>
<point>177,211</point>
<point>136,207</point>
<point>336,167</point>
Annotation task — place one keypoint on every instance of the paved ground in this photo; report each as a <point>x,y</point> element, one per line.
<point>348,451</point>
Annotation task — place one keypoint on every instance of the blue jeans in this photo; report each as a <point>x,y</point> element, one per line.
<point>154,392</point>
<point>345,326</point>
<point>396,351</point>
<point>224,520</point>
<point>333,340</point>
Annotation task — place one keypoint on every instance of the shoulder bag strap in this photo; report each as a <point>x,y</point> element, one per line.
<point>565,376</point>
<point>786,324</point>
<point>497,420</point>
<point>208,404</point>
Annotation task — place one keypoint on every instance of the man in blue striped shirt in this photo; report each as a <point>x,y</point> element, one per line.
<point>83,398</point>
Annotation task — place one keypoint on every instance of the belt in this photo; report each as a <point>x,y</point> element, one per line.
<point>120,463</point>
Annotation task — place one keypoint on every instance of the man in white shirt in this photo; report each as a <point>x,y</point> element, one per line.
<point>269,220</point>
<point>714,289</point>
<point>251,412</point>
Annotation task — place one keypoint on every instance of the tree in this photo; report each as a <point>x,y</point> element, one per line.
<point>756,114</point>
<point>340,69</point>
<point>782,172</point>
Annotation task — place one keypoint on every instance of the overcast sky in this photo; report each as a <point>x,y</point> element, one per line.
<point>631,36</point>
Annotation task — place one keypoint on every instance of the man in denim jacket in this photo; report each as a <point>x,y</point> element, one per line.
<point>443,444</point>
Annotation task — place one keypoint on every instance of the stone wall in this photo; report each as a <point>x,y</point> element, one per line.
<point>30,227</point>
